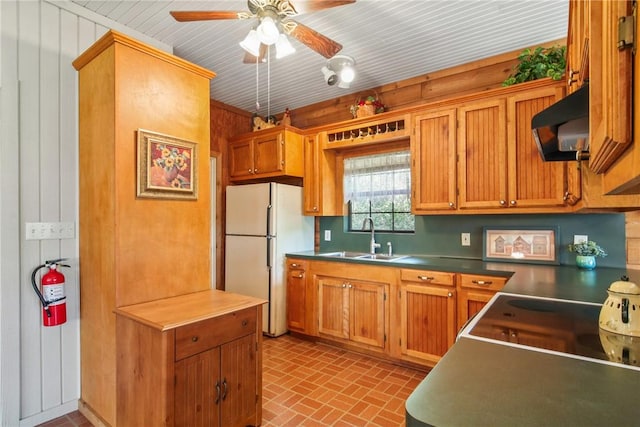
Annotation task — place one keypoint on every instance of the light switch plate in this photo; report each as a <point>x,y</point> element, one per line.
<point>465,239</point>
<point>49,230</point>
<point>327,235</point>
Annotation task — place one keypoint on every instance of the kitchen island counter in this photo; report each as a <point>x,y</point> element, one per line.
<point>482,384</point>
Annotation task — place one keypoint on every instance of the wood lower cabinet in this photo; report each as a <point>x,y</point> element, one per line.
<point>427,301</point>
<point>353,310</point>
<point>300,298</point>
<point>192,360</point>
<point>474,291</point>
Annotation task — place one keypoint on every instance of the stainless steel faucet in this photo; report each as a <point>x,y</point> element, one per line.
<point>373,245</point>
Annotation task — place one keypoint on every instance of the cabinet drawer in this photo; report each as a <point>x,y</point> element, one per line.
<point>198,337</point>
<point>428,277</point>
<point>296,264</point>
<point>473,281</point>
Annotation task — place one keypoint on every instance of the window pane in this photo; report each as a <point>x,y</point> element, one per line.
<point>379,186</point>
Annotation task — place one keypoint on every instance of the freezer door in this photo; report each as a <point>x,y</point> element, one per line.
<point>248,209</point>
<point>246,270</point>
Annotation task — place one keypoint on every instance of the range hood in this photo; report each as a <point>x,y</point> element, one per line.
<point>561,131</point>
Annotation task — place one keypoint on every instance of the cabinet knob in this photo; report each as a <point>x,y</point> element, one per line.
<point>344,285</point>
<point>452,205</point>
<point>194,338</point>
<point>315,208</point>
<point>449,294</point>
<point>512,202</point>
<point>255,171</point>
<point>350,286</point>
<point>250,170</point>
<point>244,323</point>
<point>503,202</point>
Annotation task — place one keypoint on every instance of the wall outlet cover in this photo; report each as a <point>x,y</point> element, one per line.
<point>579,238</point>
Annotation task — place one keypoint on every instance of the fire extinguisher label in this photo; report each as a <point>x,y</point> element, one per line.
<point>54,293</point>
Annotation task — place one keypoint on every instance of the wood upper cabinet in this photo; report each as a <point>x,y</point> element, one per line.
<point>433,156</point>
<point>269,153</point>
<point>533,182</point>
<point>192,360</point>
<point>499,165</point>
<point>577,45</point>
<point>319,178</point>
<point>427,302</point>
<point>353,310</point>
<point>482,154</point>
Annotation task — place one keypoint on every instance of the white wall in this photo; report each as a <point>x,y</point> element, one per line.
<point>40,366</point>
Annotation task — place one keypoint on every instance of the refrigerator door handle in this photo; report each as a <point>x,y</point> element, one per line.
<point>268,239</point>
<point>268,228</point>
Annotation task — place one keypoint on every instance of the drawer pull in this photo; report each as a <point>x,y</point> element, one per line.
<point>294,265</point>
<point>244,323</point>
<point>482,282</point>
<point>425,277</point>
<point>299,276</point>
<point>217,392</point>
<point>194,338</point>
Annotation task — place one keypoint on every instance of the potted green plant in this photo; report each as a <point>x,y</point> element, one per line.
<point>539,63</point>
<point>586,253</point>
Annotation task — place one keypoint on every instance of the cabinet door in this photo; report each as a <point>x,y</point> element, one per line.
<point>367,313</point>
<point>482,155</point>
<point>428,322</point>
<point>238,372</point>
<point>312,178</point>
<point>268,153</point>
<point>296,299</point>
<point>532,182</point>
<point>333,310</point>
<point>577,45</point>
<point>241,158</point>
<point>434,161</point>
<point>198,389</point>
<point>470,303</point>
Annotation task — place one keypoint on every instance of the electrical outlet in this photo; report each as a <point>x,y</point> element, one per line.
<point>466,239</point>
<point>327,235</point>
<point>579,238</point>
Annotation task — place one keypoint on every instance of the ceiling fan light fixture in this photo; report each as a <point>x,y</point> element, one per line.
<point>268,32</point>
<point>347,74</point>
<point>251,43</point>
<point>330,76</point>
<point>284,47</point>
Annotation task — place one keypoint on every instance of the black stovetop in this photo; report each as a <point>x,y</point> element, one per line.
<point>554,326</point>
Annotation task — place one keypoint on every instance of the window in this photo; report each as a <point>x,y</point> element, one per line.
<point>379,186</point>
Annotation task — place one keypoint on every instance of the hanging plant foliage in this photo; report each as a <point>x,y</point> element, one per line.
<point>539,63</point>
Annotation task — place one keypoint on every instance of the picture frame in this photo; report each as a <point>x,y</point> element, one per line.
<point>166,167</point>
<point>537,245</point>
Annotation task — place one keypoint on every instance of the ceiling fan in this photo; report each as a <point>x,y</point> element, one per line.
<point>275,20</point>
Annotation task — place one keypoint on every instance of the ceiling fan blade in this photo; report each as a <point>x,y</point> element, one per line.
<point>250,59</point>
<point>316,41</point>
<point>305,6</point>
<point>185,16</point>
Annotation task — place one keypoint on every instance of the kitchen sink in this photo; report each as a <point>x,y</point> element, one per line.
<point>363,255</point>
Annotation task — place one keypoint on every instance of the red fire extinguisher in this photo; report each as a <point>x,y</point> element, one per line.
<point>52,297</point>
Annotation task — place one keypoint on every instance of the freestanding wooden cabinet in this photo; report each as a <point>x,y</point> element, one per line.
<point>192,360</point>
<point>129,245</point>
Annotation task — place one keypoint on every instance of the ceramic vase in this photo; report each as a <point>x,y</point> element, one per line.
<point>586,262</point>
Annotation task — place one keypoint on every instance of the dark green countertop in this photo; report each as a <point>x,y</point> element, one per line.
<point>479,383</point>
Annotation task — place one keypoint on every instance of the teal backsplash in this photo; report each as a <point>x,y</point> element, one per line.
<point>440,234</point>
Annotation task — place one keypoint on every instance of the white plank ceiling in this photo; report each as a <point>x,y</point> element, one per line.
<point>390,40</point>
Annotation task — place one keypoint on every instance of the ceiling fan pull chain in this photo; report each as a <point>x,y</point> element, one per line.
<point>257,86</point>
<point>268,81</point>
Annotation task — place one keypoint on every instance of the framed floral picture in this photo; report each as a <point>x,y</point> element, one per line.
<point>167,167</point>
<point>526,244</point>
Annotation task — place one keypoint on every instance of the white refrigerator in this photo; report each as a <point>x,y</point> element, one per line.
<point>263,222</point>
